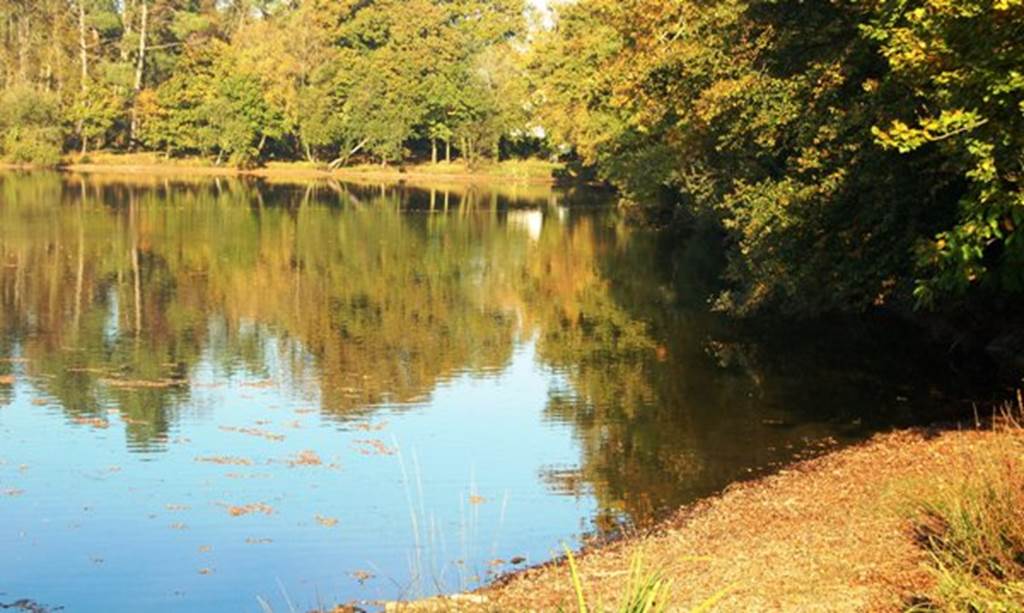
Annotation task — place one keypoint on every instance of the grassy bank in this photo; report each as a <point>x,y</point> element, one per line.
<point>521,171</point>
<point>922,520</point>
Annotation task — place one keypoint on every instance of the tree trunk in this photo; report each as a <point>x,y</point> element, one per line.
<point>23,46</point>
<point>341,160</point>
<point>448,150</point>
<point>433,151</point>
<point>127,12</point>
<point>83,56</point>
<point>140,68</point>
<point>83,50</point>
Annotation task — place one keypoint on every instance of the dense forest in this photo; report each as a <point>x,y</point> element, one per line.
<point>853,153</point>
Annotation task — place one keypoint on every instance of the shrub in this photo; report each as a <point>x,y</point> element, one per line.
<point>30,126</point>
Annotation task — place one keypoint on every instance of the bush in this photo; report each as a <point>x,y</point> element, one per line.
<point>30,126</point>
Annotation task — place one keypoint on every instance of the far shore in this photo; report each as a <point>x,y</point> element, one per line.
<point>835,533</point>
<point>532,172</point>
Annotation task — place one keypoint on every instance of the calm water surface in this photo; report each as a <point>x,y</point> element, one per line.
<point>215,392</point>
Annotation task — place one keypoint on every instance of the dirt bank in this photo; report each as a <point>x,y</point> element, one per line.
<point>831,534</point>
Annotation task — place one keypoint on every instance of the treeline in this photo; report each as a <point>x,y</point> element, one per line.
<point>856,153</point>
<point>249,80</point>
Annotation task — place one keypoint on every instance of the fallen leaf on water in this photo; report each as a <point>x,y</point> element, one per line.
<point>95,422</point>
<point>225,460</point>
<point>362,576</point>
<point>12,492</point>
<point>497,562</point>
<point>306,458</point>
<point>327,522</point>
<point>270,436</point>
<point>369,427</point>
<point>175,508</point>
<point>6,379</point>
<point>517,560</point>
<point>247,509</point>
<point>205,548</point>
<point>372,447</point>
<point>474,499</point>
<point>178,526</point>
<point>206,571</point>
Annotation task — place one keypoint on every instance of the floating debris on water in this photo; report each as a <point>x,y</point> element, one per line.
<point>372,447</point>
<point>225,460</point>
<point>362,576</point>
<point>249,509</point>
<point>306,458</point>
<point>143,383</point>
<point>270,436</point>
<point>370,427</point>
<point>12,492</point>
<point>474,499</point>
<point>327,522</point>
<point>258,541</point>
<point>95,422</point>
<point>6,379</point>
<point>263,384</point>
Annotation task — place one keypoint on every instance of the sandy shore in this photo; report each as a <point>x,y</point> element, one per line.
<point>830,534</point>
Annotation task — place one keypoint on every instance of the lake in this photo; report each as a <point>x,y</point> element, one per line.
<point>222,395</point>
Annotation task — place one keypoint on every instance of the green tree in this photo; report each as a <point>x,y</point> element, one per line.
<point>30,126</point>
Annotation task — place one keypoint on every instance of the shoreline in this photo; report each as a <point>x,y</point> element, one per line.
<point>831,533</point>
<point>124,164</point>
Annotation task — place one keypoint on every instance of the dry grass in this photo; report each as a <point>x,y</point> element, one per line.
<point>972,526</point>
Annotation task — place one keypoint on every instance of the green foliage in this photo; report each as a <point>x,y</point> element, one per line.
<point>846,148</point>
<point>963,63</point>
<point>30,125</point>
<point>248,81</point>
<point>239,118</point>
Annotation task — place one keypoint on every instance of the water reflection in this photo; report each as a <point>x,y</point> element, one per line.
<point>153,305</point>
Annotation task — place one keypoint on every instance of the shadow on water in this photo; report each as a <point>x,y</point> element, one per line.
<point>525,340</point>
